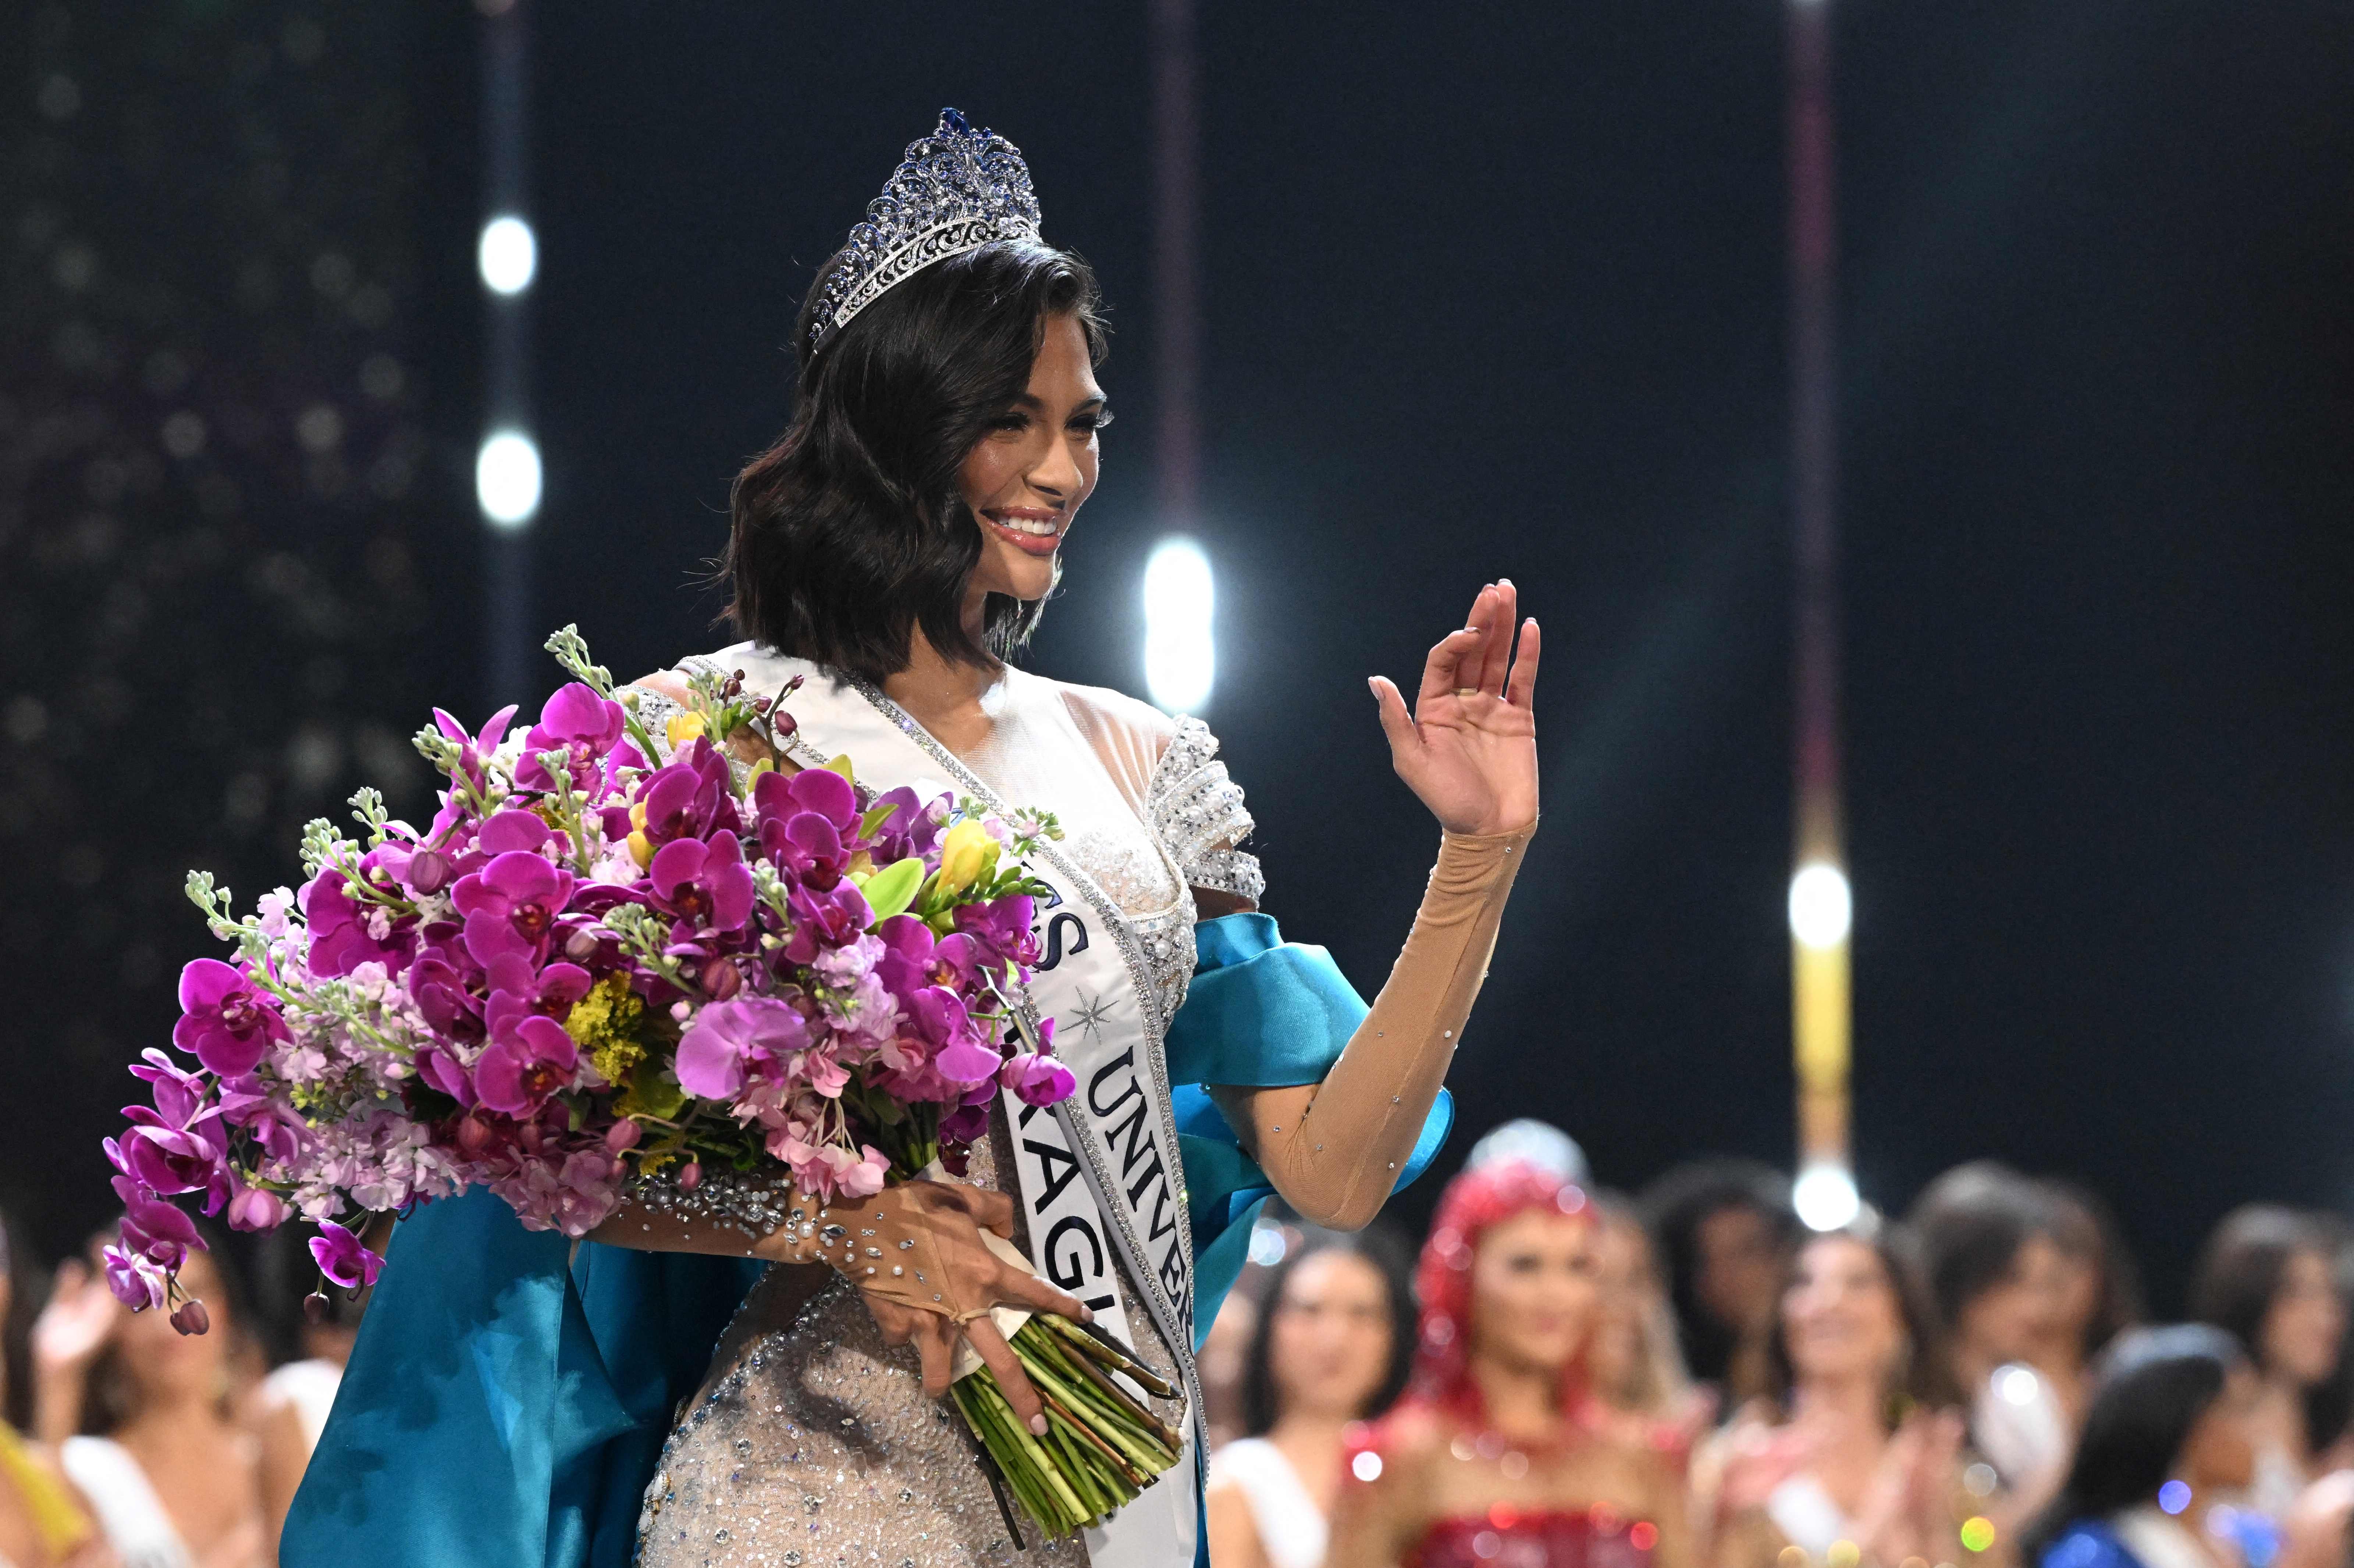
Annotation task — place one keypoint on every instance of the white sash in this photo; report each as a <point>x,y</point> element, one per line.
<point>1099,1171</point>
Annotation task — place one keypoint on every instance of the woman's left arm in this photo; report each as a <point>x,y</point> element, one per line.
<point>1468,751</point>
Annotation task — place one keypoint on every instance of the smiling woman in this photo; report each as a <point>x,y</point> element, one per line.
<point>939,451</point>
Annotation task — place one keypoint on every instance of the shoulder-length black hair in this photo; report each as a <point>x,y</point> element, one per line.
<point>2242,1265</point>
<point>2155,1384</point>
<point>1970,1223</point>
<point>1674,1207</point>
<point>849,533</point>
<point>1388,1256</point>
<point>1924,1379</point>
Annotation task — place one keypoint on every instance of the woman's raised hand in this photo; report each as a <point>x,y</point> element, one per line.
<point>1468,750</point>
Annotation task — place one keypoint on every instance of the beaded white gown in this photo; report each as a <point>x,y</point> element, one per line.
<point>812,1443</point>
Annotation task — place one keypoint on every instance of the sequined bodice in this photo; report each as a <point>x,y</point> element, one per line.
<point>813,1442</point>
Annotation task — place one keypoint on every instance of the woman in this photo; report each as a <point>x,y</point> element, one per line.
<point>2002,1284</point>
<point>2265,1275</point>
<point>1723,1228</point>
<point>891,552</point>
<point>2169,1435</point>
<point>1497,1454</point>
<point>175,1481</point>
<point>1639,1384</point>
<point>1858,1454</point>
<point>1331,1349</point>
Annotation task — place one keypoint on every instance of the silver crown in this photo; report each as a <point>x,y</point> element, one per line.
<point>958,189</point>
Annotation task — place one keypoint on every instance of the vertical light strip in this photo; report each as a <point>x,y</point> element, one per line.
<point>1181,654</point>
<point>1821,903</point>
<point>1175,291</point>
<point>508,477</point>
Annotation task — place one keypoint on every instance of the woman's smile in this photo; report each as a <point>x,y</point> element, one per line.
<point>1032,530</point>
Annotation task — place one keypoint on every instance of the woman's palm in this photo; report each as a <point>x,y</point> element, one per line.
<point>1468,750</point>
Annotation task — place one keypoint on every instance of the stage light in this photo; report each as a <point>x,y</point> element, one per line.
<point>1821,907</point>
<point>1825,1197</point>
<point>508,255</point>
<point>1181,659</point>
<point>507,478</point>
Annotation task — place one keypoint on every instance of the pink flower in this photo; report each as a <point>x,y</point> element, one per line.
<point>152,1228</point>
<point>227,1023</point>
<point>526,1065</point>
<point>830,1171</point>
<point>257,1208</point>
<point>730,1040</point>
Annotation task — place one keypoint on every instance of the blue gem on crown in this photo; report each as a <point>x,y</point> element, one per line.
<point>958,189</point>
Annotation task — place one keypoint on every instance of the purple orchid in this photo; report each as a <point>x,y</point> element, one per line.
<point>510,903</point>
<point>440,1070</point>
<point>137,1280</point>
<point>730,1040</point>
<point>513,832</point>
<point>704,881</point>
<point>227,1022</point>
<point>826,919</point>
<point>345,934</point>
<point>1036,1079</point>
<point>808,824</point>
<point>517,992</point>
<point>689,798</point>
<point>152,1228</point>
<point>1000,929</point>
<point>443,996</point>
<point>341,1258</point>
<point>526,1065</point>
<point>587,729</point>
<point>908,831</point>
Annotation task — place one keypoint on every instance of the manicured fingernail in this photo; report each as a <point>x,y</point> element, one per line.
<point>1086,1314</point>
<point>1038,1424</point>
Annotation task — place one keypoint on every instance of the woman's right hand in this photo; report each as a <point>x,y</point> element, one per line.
<point>946,1219</point>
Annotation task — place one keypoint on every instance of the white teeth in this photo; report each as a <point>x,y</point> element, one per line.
<point>1044,527</point>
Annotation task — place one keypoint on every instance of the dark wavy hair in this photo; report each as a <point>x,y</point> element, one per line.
<point>1971,1222</point>
<point>849,533</point>
<point>1388,1256</point>
<point>1924,1379</point>
<point>2155,1384</point>
<point>1674,1207</point>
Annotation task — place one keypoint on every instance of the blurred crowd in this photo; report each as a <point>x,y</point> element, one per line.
<point>1559,1376</point>
<point>1689,1377</point>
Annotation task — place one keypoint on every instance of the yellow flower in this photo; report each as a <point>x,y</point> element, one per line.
<point>968,854</point>
<point>682,728</point>
<point>605,1024</point>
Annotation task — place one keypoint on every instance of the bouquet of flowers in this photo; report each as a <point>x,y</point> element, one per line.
<point>607,963</point>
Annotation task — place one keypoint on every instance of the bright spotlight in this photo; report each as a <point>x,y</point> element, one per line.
<point>1181,659</point>
<point>1821,908</point>
<point>508,255</point>
<point>506,478</point>
<point>1825,1197</point>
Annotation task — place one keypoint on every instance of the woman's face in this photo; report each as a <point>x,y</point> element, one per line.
<point>1534,1289</point>
<point>1329,1339</point>
<point>1027,477</point>
<point>2023,1310</point>
<point>1739,1266</point>
<point>2302,1328</point>
<point>1840,1317</point>
<point>2220,1454</point>
<point>1625,1288</point>
<point>163,1363</point>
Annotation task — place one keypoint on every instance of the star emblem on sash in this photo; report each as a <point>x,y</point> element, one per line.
<point>1093,1013</point>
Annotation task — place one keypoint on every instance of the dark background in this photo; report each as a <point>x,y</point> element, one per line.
<point>1487,291</point>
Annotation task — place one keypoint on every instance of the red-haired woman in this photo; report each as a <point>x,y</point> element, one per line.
<point>1499,1455</point>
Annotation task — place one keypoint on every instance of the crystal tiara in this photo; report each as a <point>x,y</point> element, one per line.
<point>958,189</point>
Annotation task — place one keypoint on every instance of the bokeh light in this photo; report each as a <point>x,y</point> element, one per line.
<point>507,478</point>
<point>1821,907</point>
<point>508,255</point>
<point>1181,659</point>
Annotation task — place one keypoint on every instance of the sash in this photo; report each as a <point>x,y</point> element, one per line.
<point>1097,1174</point>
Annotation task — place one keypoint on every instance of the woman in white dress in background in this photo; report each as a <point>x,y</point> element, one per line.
<point>1332,1348</point>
